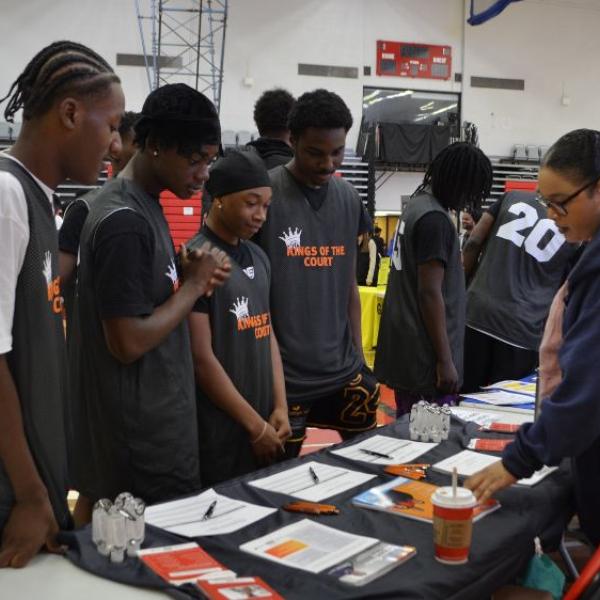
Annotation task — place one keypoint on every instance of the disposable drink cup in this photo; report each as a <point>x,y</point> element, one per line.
<point>452,524</point>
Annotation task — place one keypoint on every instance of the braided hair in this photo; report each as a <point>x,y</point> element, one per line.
<point>61,68</point>
<point>460,176</point>
<point>576,155</point>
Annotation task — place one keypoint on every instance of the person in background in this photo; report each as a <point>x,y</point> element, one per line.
<point>515,259</point>
<point>568,426</point>
<point>468,219</point>
<point>310,238</point>
<point>242,410</point>
<point>367,261</point>
<point>379,241</point>
<point>72,104</point>
<point>132,381</point>
<point>77,211</point>
<point>420,344</point>
<point>271,113</point>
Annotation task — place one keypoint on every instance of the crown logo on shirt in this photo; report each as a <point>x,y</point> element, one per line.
<point>292,238</point>
<point>240,308</point>
<point>47,267</point>
<point>249,272</point>
<point>172,272</point>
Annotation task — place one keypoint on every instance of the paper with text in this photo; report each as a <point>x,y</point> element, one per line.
<point>299,482</point>
<point>185,517</point>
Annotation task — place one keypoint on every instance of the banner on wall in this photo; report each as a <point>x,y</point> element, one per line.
<point>484,10</point>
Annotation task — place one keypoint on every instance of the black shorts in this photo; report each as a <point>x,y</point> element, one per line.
<point>350,410</point>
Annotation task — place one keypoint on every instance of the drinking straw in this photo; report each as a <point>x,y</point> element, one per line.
<point>454,481</point>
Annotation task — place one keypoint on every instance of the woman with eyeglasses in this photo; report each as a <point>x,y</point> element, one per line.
<point>569,423</point>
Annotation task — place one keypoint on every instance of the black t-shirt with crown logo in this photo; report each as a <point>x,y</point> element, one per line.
<point>240,323</point>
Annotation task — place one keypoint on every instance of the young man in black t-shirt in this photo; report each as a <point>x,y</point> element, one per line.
<point>242,410</point>
<point>420,344</point>
<point>271,113</point>
<point>134,418</point>
<point>310,237</point>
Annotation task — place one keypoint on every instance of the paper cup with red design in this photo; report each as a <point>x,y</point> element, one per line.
<point>452,524</point>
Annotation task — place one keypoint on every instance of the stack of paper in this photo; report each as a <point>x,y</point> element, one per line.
<point>191,517</point>
<point>312,481</point>
<point>468,463</point>
<point>383,450</point>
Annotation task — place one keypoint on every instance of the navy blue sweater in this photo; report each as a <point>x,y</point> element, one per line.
<point>569,424</point>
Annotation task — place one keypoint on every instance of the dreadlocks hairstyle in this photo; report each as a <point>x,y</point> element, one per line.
<point>460,176</point>
<point>320,109</point>
<point>60,69</point>
<point>272,110</point>
<point>576,155</point>
<point>178,116</point>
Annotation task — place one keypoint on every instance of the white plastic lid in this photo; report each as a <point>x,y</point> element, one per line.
<point>443,497</point>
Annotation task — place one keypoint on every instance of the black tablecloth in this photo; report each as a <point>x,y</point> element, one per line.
<point>502,542</point>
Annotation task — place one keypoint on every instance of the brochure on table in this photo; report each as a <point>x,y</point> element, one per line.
<point>511,385</point>
<point>384,450</point>
<point>315,548</point>
<point>193,517</point>
<point>411,499</point>
<point>312,481</point>
<point>468,463</point>
<point>500,398</point>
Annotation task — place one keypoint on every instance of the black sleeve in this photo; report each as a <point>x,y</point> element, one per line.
<point>70,231</point>
<point>433,238</point>
<point>122,259</point>
<point>202,305</point>
<point>365,222</point>
<point>494,209</point>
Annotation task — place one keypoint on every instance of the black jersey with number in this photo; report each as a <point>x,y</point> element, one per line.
<point>521,267</point>
<point>405,358</point>
<point>240,324</point>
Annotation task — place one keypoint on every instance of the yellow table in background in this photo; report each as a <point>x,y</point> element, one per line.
<point>371,305</point>
<point>384,270</point>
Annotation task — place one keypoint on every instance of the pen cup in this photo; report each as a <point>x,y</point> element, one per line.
<point>452,524</point>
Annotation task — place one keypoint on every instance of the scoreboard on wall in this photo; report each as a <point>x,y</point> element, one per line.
<point>402,59</point>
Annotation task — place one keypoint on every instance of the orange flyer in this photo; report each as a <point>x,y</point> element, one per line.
<point>179,562</point>
<point>411,499</point>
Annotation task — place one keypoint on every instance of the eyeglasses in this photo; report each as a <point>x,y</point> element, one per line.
<point>559,207</point>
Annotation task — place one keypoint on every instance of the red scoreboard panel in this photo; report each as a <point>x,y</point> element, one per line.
<point>402,59</point>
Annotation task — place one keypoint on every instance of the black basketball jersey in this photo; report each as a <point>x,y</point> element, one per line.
<point>37,359</point>
<point>522,266</point>
<point>240,323</point>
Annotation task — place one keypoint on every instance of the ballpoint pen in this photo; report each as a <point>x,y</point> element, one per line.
<point>209,511</point>
<point>313,474</point>
<point>375,453</point>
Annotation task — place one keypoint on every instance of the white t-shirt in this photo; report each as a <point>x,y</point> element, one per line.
<point>14,237</point>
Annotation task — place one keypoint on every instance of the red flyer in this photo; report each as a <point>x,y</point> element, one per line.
<point>503,427</point>
<point>238,589</point>
<point>489,445</point>
<point>180,563</point>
